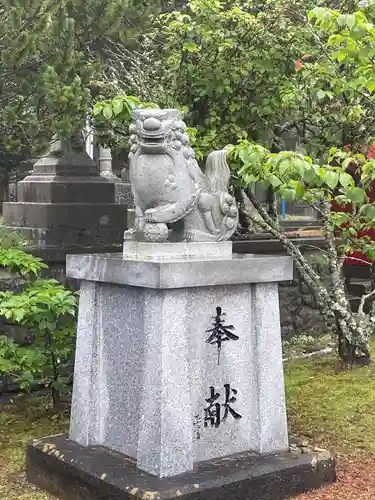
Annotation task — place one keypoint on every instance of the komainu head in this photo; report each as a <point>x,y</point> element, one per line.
<point>157,131</point>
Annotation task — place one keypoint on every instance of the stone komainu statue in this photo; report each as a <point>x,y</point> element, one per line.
<point>174,199</point>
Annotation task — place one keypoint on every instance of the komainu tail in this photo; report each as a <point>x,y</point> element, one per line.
<point>217,171</point>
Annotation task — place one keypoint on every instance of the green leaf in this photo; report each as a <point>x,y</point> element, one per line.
<point>107,111</point>
<point>97,109</point>
<point>341,20</point>
<point>283,165</point>
<point>350,20</point>
<point>191,46</point>
<point>320,94</point>
<point>118,106</point>
<point>355,194</point>
<point>368,211</point>
<point>370,85</point>
<point>331,178</point>
<point>274,181</point>
<point>300,164</point>
<point>248,179</point>
<point>245,155</point>
<point>18,315</point>
<point>341,55</point>
<point>310,176</point>
<point>288,194</point>
<point>346,179</point>
<point>300,190</point>
<point>339,218</point>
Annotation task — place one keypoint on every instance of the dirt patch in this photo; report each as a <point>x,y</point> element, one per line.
<point>355,481</point>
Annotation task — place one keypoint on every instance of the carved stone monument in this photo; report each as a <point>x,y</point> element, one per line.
<point>65,206</point>
<point>178,389</point>
<point>175,201</point>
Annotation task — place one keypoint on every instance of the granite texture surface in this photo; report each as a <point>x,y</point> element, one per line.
<point>158,377</point>
<point>141,250</point>
<point>71,472</point>
<point>82,423</point>
<point>273,434</point>
<point>233,365</point>
<point>123,194</point>
<point>181,272</point>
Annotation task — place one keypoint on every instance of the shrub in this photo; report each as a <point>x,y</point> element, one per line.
<point>48,310</point>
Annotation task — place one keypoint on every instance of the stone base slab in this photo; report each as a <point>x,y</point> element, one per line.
<point>58,256</point>
<point>72,472</point>
<point>140,250</point>
<point>180,272</point>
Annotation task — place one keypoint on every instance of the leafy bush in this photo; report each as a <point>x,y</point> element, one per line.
<point>112,118</point>
<point>225,63</point>
<point>48,310</point>
<point>20,262</point>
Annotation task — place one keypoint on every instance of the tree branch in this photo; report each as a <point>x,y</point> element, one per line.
<point>363,300</point>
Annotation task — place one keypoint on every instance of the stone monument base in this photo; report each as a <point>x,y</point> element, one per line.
<point>139,250</point>
<point>178,381</point>
<point>74,472</point>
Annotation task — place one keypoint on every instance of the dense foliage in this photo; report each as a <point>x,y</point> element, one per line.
<point>251,70</point>
<point>111,119</point>
<point>333,91</point>
<point>224,63</point>
<point>48,310</point>
<point>55,61</point>
<point>338,184</point>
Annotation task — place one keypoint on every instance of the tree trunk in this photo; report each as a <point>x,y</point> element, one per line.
<point>352,331</point>
<point>351,354</point>
<point>243,220</point>
<point>56,400</point>
<point>272,204</point>
<point>353,348</point>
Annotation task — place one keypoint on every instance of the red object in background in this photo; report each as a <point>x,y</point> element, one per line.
<point>371,154</point>
<point>306,58</point>
<point>357,258</point>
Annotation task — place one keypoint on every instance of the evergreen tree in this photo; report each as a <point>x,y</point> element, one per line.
<point>52,65</point>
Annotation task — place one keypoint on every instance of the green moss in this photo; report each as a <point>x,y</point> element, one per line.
<point>28,418</point>
<point>329,406</point>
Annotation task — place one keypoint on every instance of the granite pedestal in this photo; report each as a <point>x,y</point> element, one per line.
<point>178,370</point>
